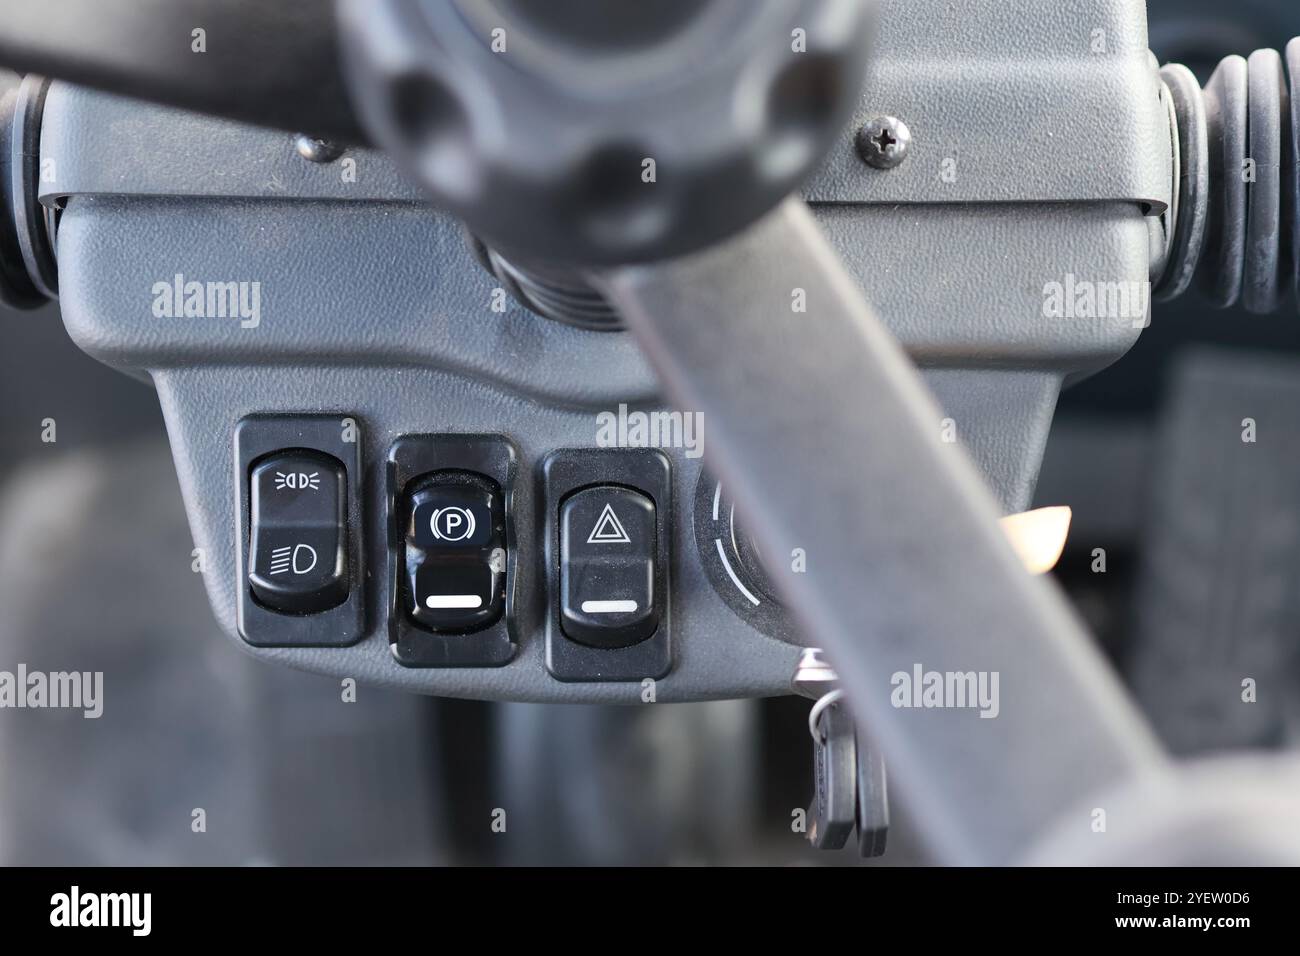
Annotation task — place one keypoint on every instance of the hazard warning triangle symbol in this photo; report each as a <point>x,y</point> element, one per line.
<point>608,529</point>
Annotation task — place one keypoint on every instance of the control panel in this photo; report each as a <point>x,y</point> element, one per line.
<point>398,327</point>
<point>597,547</point>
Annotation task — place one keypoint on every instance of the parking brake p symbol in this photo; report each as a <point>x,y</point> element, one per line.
<point>452,523</point>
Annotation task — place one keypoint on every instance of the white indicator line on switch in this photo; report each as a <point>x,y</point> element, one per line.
<point>608,607</point>
<point>453,600</point>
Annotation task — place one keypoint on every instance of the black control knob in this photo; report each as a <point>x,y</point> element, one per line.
<point>600,133</point>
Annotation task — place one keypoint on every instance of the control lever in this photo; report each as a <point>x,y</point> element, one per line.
<point>1038,538</point>
<point>893,506</point>
<point>273,64</point>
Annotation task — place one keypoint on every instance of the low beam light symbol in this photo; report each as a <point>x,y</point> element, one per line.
<point>298,558</point>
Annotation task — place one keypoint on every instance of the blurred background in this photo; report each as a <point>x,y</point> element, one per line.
<point>1201,553</point>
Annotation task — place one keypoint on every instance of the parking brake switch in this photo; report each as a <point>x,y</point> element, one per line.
<point>455,560</point>
<point>297,549</point>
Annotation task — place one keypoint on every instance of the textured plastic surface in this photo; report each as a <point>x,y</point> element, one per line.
<point>414,333</point>
<point>378,307</point>
<point>106,144</point>
<point>1019,100</point>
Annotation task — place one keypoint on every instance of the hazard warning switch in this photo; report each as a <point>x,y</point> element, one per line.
<point>607,567</point>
